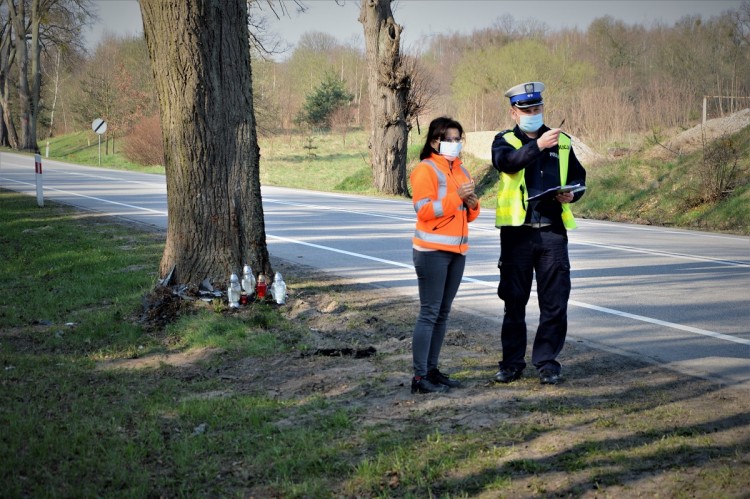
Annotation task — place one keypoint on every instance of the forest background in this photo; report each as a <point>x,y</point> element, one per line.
<point>620,88</point>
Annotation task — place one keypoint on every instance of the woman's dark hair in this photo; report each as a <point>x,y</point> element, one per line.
<point>437,129</point>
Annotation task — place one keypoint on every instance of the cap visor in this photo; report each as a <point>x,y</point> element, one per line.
<point>528,103</point>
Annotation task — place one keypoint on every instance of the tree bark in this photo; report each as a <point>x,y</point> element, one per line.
<point>28,92</point>
<point>199,52</point>
<point>389,89</point>
<point>8,135</point>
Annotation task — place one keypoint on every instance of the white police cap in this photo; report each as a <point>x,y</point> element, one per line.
<point>526,94</point>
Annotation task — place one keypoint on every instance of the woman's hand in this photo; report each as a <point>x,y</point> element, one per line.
<point>471,201</point>
<point>466,190</point>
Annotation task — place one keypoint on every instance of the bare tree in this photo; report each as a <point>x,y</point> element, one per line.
<point>389,86</point>
<point>421,92</point>
<point>35,22</point>
<point>97,90</point>
<point>200,57</point>
<point>262,39</point>
<point>55,77</point>
<point>117,86</point>
<point>28,92</point>
<point>341,120</point>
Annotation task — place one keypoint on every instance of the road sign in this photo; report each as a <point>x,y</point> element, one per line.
<point>99,126</point>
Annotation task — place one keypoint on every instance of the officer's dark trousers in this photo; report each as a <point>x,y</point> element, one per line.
<point>523,252</point>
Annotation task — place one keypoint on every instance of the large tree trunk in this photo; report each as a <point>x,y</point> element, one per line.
<point>7,54</point>
<point>8,136</point>
<point>4,142</point>
<point>199,51</point>
<point>7,118</point>
<point>35,90</point>
<point>28,93</point>
<point>389,88</point>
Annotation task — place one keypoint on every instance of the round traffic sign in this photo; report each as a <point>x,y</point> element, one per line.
<point>99,126</point>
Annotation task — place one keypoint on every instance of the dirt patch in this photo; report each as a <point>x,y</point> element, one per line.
<point>175,359</point>
<point>358,342</point>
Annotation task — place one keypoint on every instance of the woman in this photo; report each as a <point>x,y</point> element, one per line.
<point>445,202</point>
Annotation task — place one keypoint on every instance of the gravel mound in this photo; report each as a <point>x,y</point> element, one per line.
<point>692,139</point>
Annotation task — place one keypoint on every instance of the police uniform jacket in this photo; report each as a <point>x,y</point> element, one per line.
<point>541,172</point>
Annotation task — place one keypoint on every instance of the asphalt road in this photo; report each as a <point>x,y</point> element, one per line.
<point>679,298</point>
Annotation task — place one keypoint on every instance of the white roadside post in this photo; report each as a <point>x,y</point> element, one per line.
<point>39,183</point>
<point>99,126</point>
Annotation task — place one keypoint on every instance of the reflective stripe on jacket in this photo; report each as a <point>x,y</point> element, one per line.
<point>512,193</point>
<point>442,217</point>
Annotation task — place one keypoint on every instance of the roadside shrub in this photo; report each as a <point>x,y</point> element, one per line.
<point>144,144</point>
<point>719,172</point>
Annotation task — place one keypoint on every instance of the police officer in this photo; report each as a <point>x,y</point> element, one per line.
<point>533,158</point>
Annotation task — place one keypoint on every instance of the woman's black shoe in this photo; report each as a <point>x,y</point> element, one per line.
<point>438,378</point>
<point>420,384</point>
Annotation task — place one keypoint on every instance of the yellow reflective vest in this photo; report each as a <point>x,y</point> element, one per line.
<point>512,194</point>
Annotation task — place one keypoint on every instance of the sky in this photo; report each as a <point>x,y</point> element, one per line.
<point>422,18</point>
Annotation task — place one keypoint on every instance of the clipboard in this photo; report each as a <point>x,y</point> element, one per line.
<point>558,190</point>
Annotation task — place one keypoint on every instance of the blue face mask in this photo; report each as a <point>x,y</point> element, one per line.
<point>530,123</point>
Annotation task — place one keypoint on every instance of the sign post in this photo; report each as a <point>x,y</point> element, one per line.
<point>99,126</point>
<point>39,183</point>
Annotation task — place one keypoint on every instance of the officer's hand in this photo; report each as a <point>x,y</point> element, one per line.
<point>564,197</point>
<point>548,139</point>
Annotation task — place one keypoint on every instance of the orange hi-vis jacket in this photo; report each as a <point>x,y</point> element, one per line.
<point>442,217</point>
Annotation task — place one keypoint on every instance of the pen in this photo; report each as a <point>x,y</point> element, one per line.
<point>562,123</point>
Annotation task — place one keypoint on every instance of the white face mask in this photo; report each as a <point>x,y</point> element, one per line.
<point>450,150</point>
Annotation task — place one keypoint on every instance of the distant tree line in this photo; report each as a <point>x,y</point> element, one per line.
<point>606,81</point>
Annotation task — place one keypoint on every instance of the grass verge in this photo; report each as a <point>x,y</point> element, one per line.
<point>241,404</point>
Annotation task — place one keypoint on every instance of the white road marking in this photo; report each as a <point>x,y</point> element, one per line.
<point>589,306</point>
<point>107,201</point>
<point>670,254</point>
